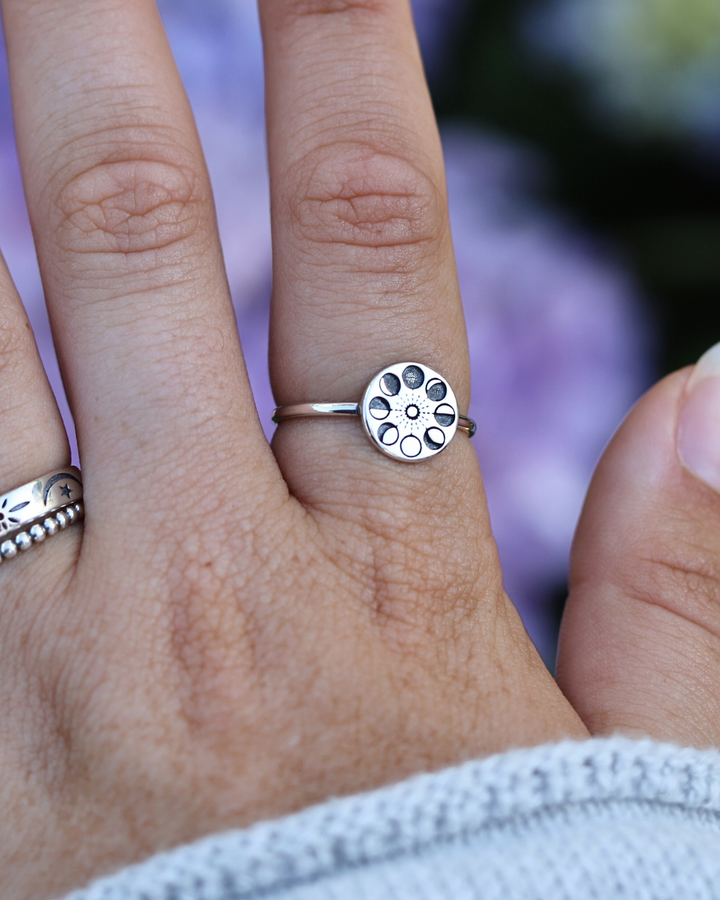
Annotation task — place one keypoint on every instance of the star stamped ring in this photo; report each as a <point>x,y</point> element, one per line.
<point>408,410</point>
<point>39,509</point>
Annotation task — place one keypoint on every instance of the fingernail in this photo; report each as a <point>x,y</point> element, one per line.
<point>699,429</point>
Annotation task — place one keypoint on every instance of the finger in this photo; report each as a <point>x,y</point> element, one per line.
<point>364,271</point>
<point>123,217</point>
<point>32,436</point>
<point>33,442</point>
<point>364,276</point>
<point>640,643</point>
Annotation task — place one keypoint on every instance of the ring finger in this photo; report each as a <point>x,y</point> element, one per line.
<point>32,435</point>
<point>33,441</point>
<point>124,223</point>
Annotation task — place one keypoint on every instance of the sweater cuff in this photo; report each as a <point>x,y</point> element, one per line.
<point>599,818</point>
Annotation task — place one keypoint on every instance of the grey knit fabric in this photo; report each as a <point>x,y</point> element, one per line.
<point>606,818</point>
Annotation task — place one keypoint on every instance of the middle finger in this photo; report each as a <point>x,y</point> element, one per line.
<point>364,272</point>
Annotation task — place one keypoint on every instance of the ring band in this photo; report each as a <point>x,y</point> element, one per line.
<point>39,509</point>
<point>307,410</point>
<point>408,410</point>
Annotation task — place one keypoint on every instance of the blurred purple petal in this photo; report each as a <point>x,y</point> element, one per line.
<point>559,347</point>
<point>436,22</point>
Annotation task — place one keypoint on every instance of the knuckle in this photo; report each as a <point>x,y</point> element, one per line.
<point>15,339</point>
<point>360,205</point>
<point>130,207</point>
<point>308,9</point>
<point>681,577</point>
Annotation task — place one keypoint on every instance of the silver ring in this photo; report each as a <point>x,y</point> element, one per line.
<point>39,509</point>
<point>408,410</point>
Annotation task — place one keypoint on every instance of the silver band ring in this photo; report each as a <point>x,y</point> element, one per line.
<point>39,509</point>
<point>408,410</point>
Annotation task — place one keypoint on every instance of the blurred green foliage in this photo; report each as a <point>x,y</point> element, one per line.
<point>655,201</point>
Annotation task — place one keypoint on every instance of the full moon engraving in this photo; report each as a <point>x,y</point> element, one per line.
<point>409,412</point>
<point>411,446</point>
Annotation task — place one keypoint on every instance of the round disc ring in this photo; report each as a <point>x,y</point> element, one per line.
<point>408,410</point>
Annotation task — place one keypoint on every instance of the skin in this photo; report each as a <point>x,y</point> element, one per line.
<point>238,631</point>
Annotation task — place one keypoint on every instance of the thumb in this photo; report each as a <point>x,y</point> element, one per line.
<point>640,641</point>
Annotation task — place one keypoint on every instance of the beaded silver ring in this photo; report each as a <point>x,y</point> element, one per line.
<point>39,509</point>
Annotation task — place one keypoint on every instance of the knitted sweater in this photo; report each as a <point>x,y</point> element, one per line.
<point>601,819</point>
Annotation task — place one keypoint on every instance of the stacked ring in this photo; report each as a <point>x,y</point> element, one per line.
<point>39,509</point>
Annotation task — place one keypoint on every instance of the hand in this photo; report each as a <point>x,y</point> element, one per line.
<point>236,631</point>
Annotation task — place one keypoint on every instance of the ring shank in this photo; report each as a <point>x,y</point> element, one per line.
<point>304,410</point>
<point>313,410</point>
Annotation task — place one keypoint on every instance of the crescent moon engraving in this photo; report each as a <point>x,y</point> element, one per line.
<point>54,480</point>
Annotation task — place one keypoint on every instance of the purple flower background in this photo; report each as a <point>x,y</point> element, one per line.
<point>559,343</point>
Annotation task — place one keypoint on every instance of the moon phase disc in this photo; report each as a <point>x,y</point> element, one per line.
<point>413,376</point>
<point>388,434</point>
<point>435,438</point>
<point>390,384</point>
<point>379,408</point>
<point>409,412</point>
<point>445,414</point>
<point>436,389</point>
<point>411,446</point>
